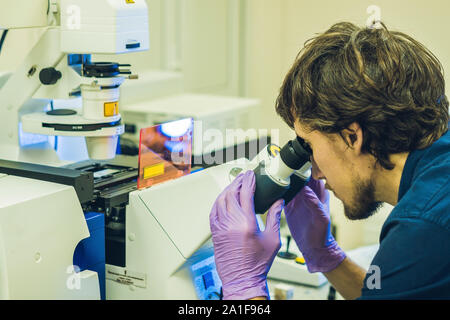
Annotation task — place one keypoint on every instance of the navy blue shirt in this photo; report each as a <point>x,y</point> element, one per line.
<point>413,260</point>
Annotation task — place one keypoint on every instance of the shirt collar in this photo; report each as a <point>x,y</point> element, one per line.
<point>408,172</point>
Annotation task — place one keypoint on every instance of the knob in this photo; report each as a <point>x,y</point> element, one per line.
<point>49,76</point>
<point>286,254</point>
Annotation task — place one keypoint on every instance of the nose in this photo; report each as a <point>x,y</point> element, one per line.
<point>315,171</point>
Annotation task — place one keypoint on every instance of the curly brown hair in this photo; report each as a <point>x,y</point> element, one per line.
<point>386,81</point>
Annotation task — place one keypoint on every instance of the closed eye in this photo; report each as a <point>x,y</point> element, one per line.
<point>306,145</point>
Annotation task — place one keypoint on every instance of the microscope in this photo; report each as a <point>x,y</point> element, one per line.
<point>50,247</point>
<point>59,66</point>
<point>84,230</point>
<point>280,174</point>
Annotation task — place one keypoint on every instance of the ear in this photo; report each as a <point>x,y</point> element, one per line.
<point>353,137</point>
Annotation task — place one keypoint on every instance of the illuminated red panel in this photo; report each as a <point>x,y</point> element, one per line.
<point>165,152</point>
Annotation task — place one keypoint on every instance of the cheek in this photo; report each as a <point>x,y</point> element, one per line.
<point>327,165</point>
<point>315,172</point>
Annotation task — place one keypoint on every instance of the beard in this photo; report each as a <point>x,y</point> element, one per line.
<point>363,204</point>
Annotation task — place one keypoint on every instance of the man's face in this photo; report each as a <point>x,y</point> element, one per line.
<point>348,173</point>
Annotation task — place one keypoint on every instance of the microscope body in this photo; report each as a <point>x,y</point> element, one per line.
<point>281,173</point>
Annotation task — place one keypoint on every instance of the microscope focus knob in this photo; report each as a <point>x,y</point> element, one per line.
<point>49,76</point>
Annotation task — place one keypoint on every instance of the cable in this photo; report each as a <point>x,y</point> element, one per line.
<point>332,293</point>
<point>2,39</point>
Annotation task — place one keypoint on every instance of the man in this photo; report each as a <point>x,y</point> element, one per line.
<point>371,105</point>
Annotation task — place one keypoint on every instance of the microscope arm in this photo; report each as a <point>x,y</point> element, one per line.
<point>24,83</point>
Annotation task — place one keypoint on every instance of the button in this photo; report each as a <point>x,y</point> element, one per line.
<point>208,280</point>
<point>300,260</point>
<point>274,150</point>
<point>61,112</point>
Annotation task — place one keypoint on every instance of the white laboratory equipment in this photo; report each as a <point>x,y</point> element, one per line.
<point>168,250</point>
<point>220,122</point>
<point>59,66</point>
<point>42,222</point>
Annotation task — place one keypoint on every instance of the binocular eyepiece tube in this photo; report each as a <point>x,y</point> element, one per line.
<point>282,174</point>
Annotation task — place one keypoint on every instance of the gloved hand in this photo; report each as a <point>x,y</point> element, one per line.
<point>308,219</point>
<point>243,253</point>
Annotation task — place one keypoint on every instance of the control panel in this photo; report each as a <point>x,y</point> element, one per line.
<point>206,280</point>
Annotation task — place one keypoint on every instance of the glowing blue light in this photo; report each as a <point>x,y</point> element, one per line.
<point>177,128</point>
<point>28,139</point>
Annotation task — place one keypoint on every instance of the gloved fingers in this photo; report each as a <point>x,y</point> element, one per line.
<point>314,204</point>
<point>237,216</point>
<point>214,222</point>
<point>319,188</point>
<point>299,198</point>
<point>326,201</point>
<point>235,185</point>
<point>274,216</point>
<point>293,206</point>
<point>233,188</point>
<point>219,214</point>
<point>310,198</point>
<point>247,191</point>
<point>239,177</point>
<point>305,198</point>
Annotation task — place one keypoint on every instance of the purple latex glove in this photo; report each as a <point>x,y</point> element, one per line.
<point>243,253</point>
<point>308,218</point>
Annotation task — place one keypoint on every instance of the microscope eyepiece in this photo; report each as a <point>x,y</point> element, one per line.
<point>275,178</point>
<point>295,153</point>
<point>303,145</point>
